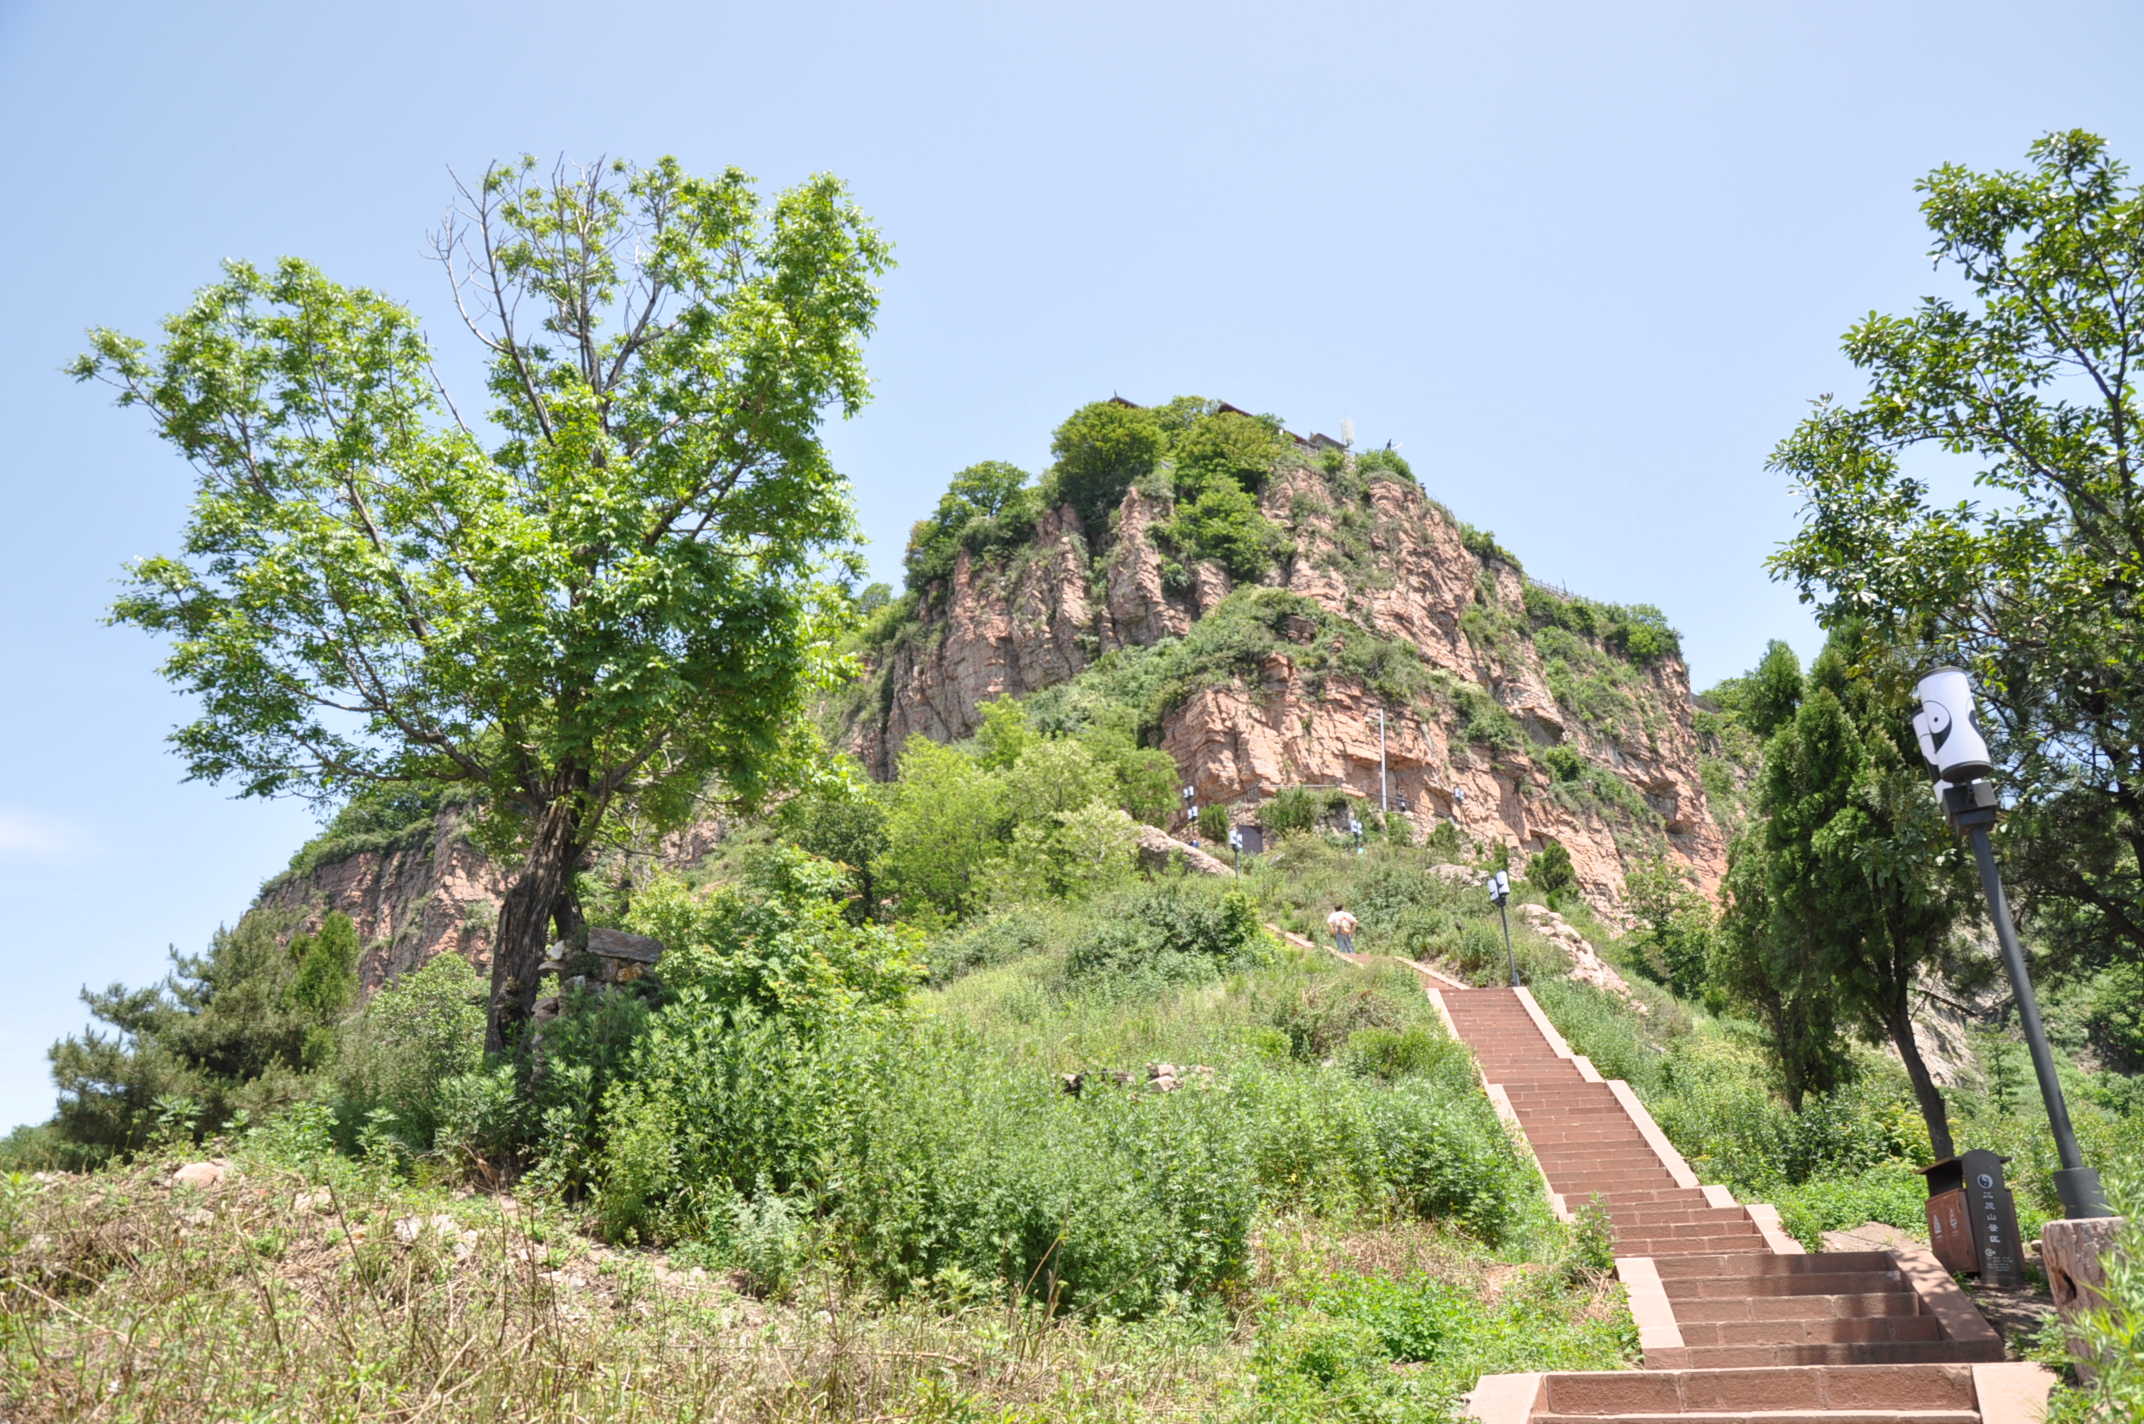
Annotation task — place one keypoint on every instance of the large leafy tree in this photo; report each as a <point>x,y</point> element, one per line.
<point>605,597</point>
<point>2038,590</point>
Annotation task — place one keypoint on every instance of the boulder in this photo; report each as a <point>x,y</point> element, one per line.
<point>201,1175</point>
<point>1587,967</point>
<point>1158,850</point>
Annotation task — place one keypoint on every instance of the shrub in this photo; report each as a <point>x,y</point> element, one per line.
<point>1890,1192</point>
<point>1550,870</point>
<point>1008,935</point>
<point>1322,1017</point>
<point>1170,931</point>
<point>1370,461</point>
<point>1109,1203</point>
<point>1564,763</point>
<point>2115,1016</point>
<point>1226,449</point>
<point>780,948</point>
<point>1292,809</point>
<point>718,1099</point>
<point>1070,855</point>
<point>1641,633</point>
<point>1214,824</point>
<point>1224,524</point>
<point>2113,1333</point>
<point>1399,1053</point>
<point>1330,1142</point>
<point>418,1032</point>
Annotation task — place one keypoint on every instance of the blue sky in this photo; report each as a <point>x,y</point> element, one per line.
<point>1585,263</point>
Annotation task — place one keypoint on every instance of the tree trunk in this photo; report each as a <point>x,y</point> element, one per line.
<point>525,920</point>
<point>566,916</point>
<point>1925,1091</point>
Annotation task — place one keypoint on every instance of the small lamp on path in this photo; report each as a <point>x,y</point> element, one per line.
<point>1500,895</point>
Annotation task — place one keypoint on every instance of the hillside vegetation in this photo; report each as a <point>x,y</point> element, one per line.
<point>953,1097</point>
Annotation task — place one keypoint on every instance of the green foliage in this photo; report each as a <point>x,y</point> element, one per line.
<point>1226,448</point>
<point>1329,1345</point>
<point>1068,855</point>
<point>1641,633</point>
<point>840,819</point>
<point>1774,690</point>
<point>987,506</point>
<point>1221,463</point>
<point>1214,824</point>
<point>1335,1142</point>
<point>1223,523</point>
<point>1004,733</point>
<point>1100,451</point>
<point>781,949</point>
<point>1758,972</point>
<point>1864,881</point>
<point>1166,932</point>
<point>1392,1054</point>
<point>326,982</point>
<point>1638,633</point>
<point>1564,763</point>
<point>2116,1016</point>
<point>1482,545</point>
<point>1675,928</point>
<point>1550,870</point>
<point>2032,589</point>
<point>1112,1203</point>
<point>943,823</point>
<point>612,604</point>
<point>1387,461</point>
<point>381,818</point>
<point>1131,690</point>
<point>224,1030</point>
<point>1292,810</point>
<point>419,1031</point>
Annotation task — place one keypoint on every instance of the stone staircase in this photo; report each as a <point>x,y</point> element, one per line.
<point>1735,1321</point>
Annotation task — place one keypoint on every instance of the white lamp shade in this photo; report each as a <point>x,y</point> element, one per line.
<point>1948,726</point>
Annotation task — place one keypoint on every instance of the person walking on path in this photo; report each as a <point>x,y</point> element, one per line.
<point>1342,924</point>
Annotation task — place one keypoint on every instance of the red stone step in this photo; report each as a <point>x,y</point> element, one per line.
<point>1874,1352</point>
<point>1834,1393</point>
<point>1815,1331</point>
<point>1695,1311</point>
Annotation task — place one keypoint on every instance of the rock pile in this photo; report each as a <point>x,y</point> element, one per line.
<point>1161,1077</point>
<point>619,958</point>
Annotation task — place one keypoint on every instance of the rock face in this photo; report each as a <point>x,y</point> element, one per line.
<point>433,895</point>
<point>1378,552</point>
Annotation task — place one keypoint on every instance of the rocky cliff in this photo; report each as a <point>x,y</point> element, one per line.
<point>426,891</point>
<point>1524,715</point>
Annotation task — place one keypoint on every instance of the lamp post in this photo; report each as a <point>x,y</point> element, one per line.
<point>1499,896</point>
<point>1383,791</point>
<point>1951,740</point>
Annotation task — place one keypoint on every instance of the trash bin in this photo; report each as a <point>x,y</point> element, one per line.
<point>1972,1218</point>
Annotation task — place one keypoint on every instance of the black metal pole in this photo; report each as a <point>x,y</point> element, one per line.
<point>2076,1184</point>
<point>1505,915</point>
